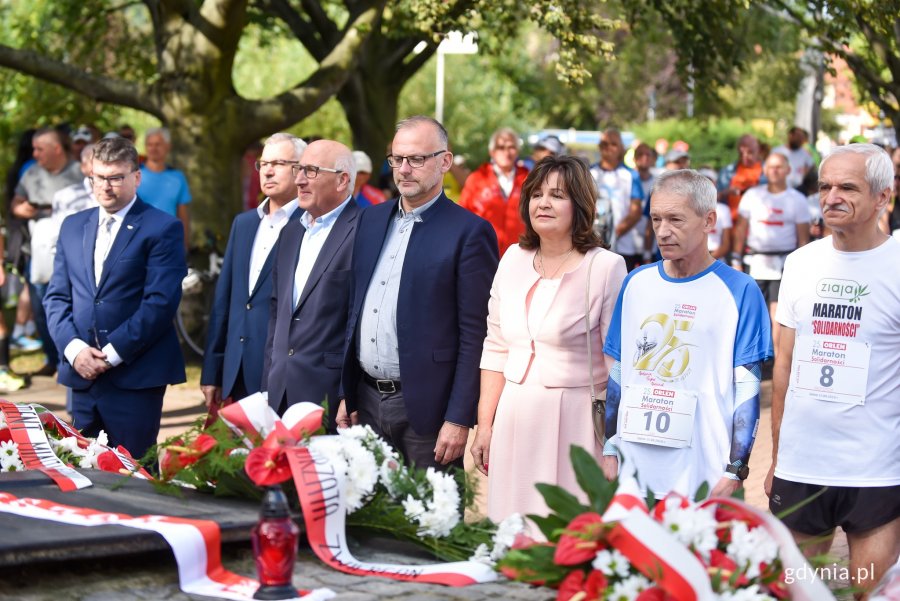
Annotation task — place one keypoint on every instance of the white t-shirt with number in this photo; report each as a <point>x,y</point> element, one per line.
<point>678,341</point>
<point>848,305</point>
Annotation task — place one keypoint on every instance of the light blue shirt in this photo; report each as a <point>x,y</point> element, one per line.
<point>166,190</point>
<point>314,237</point>
<point>378,347</point>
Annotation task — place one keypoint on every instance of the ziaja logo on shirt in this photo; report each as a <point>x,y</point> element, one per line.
<point>848,290</point>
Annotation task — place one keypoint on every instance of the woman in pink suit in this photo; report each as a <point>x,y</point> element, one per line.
<point>535,377</point>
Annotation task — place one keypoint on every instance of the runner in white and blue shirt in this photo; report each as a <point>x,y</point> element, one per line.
<point>687,336</point>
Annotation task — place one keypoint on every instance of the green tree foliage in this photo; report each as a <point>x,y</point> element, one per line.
<point>864,33</point>
<point>174,60</point>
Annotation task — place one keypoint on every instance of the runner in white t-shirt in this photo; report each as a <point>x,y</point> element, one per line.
<point>619,188</point>
<point>687,337</point>
<point>800,159</point>
<point>719,239</point>
<point>773,220</point>
<point>836,382</point>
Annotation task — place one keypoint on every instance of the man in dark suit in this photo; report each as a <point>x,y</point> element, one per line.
<point>233,361</point>
<point>111,302</point>
<point>422,272</point>
<point>311,283</point>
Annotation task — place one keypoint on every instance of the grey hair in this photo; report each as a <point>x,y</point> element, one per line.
<point>344,162</point>
<point>879,168</point>
<point>504,132</point>
<point>159,131</point>
<point>298,143</point>
<point>700,192</point>
<point>116,150</point>
<point>416,120</point>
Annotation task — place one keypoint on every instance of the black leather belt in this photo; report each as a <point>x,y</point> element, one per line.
<point>383,386</point>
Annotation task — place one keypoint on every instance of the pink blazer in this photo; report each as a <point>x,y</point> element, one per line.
<point>559,348</point>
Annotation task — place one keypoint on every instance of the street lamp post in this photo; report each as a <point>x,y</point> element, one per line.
<point>454,43</point>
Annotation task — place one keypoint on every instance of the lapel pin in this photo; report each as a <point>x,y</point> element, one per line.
<point>129,226</point>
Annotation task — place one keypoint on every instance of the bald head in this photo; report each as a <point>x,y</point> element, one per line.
<point>323,193</point>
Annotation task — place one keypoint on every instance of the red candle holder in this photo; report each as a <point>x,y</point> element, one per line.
<point>274,541</point>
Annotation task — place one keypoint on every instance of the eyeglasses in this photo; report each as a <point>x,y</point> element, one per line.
<point>312,171</point>
<point>116,181</point>
<point>260,165</point>
<point>396,161</point>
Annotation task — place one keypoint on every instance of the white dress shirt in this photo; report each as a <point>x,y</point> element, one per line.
<point>317,231</point>
<point>102,246</point>
<point>270,225</point>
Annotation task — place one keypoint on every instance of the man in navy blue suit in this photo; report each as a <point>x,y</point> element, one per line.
<point>422,272</point>
<point>111,302</point>
<point>233,361</point>
<point>311,283</point>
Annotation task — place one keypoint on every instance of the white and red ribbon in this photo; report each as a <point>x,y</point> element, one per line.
<point>125,459</point>
<point>195,543</point>
<point>324,512</point>
<point>27,432</point>
<point>654,551</point>
<point>802,589</point>
<point>253,418</point>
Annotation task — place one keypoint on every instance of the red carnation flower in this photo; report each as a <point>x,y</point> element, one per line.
<point>580,541</point>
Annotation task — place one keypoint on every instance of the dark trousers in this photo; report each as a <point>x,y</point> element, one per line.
<point>37,292</point>
<point>129,417</point>
<point>386,414</point>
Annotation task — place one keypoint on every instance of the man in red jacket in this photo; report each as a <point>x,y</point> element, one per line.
<point>492,191</point>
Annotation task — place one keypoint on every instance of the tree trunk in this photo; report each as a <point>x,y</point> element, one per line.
<point>370,104</point>
<point>205,146</point>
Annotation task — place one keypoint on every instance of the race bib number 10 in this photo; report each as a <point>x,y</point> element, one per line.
<point>658,416</point>
<point>830,369</point>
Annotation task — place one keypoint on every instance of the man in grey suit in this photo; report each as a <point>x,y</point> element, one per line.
<point>311,283</point>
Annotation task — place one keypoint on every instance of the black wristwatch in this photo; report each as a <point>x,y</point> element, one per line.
<point>739,469</point>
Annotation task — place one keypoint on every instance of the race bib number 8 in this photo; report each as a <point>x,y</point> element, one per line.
<point>830,369</point>
<point>658,416</point>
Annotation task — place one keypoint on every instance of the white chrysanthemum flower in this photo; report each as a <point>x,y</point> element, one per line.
<point>750,547</point>
<point>239,451</point>
<point>629,588</point>
<point>692,527</point>
<point>103,439</point>
<point>505,535</point>
<point>413,507</point>
<point>387,472</point>
<point>611,563</point>
<point>356,432</point>
<point>361,474</point>
<point>9,449</point>
<point>483,555</point>
<point>69,444</point>
<point>508,529</point>
<point>751,593</point>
